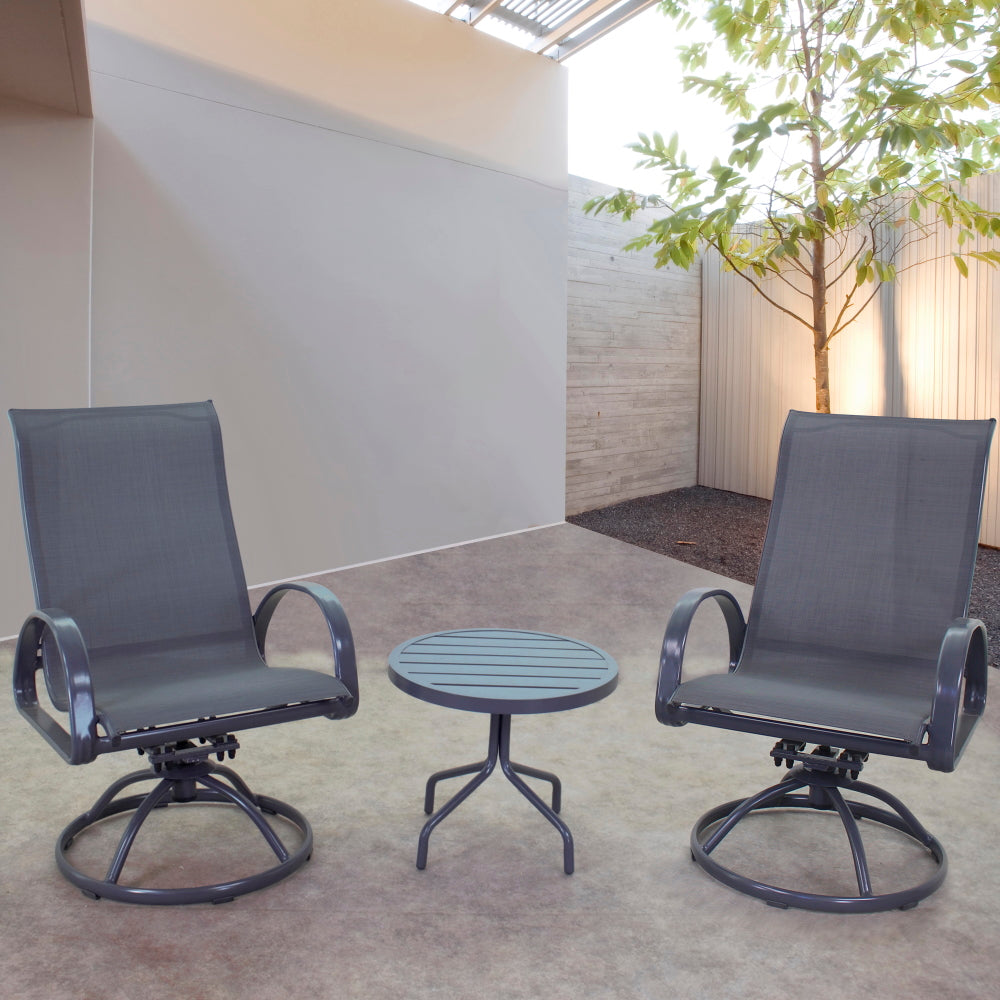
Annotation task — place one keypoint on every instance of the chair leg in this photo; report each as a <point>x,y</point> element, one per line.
<point>762,800</point>
<point>190,784</point>
<point>146,806</point>
<point>824,792</point>
<point>854,839</point>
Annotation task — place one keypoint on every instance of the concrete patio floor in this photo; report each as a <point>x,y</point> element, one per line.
<point>493,912</point>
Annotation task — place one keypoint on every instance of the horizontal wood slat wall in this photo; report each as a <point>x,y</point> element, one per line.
<point>929,346</point>
<point>633,363</point>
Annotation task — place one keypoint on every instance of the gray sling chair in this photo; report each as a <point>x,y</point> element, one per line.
<point>144,634</point>
<point>857,638</point>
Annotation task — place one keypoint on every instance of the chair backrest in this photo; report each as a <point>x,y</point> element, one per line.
<point>128,524</point>
<point>872,538</point>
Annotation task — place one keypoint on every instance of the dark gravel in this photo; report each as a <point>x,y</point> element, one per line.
<point>724,532</point>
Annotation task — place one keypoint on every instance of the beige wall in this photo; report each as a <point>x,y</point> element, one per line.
<point>325,217</point>
<point>345,222</point>
<point>632,393</point>
<point>45,194</point>
<point>386,68</point>
<point>929,346</point>
<point>43,54</point>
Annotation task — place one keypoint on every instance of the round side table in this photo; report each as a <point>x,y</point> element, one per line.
<point>502,672</point>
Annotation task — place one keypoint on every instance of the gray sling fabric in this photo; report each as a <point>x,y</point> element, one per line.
<point>869,555</point>
<point>130,532</point>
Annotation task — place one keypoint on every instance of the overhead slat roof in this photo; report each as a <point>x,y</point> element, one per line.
<point>555,28</point>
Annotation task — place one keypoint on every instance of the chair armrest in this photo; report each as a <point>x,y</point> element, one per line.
<point>79,745</point>
<point>344,660</point>
<point>675,639</point>
<point>960,692</point>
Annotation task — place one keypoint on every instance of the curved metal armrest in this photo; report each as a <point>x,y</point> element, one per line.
<point>960,693</point>
<point>79,745</point>
<point>675,639</point>
<point>344,661</point>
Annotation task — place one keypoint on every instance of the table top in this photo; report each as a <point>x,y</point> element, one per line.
<point>502,671</point>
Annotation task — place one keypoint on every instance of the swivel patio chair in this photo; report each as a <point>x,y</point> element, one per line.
<point>857,638</point>
<point>144,635</point>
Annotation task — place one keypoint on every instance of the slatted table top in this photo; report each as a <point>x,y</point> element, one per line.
<point>502,671</point>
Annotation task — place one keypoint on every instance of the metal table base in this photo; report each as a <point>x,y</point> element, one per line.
<point>501,672</point>
<point>498,750</point>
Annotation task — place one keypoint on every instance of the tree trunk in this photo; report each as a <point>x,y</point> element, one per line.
<point>812,50</point>
<point>822,360</point>
<point>821,346</point>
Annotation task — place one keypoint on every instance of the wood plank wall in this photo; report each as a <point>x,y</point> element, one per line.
<point>633,364</point>
<point>929,346</point>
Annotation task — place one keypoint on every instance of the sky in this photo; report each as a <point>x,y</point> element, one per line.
<point>629,82</point>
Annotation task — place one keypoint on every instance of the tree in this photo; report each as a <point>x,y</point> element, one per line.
<point>879,111</point>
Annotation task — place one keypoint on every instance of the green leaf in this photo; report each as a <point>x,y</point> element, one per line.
<point>899,30</point>
<point>900,99</point>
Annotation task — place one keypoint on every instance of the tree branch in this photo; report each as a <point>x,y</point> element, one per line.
<point>768,298</point>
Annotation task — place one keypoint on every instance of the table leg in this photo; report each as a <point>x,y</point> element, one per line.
<point>499,749</point>
<point>451,772</point>
<point>533,772</point>
<point>510,770</point>
<point>485,770</point>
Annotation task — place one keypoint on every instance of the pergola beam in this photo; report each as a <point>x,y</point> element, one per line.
<point>597,29</point>
<point>579,20</point>
<point>559,27</point>
<point>477,11</point>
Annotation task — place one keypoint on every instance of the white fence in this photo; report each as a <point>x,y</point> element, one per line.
<point>929,346</point>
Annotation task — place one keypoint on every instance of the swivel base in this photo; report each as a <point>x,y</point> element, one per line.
<point>183,782</point>
<point>823,794</point>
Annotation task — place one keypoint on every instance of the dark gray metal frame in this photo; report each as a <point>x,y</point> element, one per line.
<point>84,741</point>
<point>51,643</point>
<point>498,749</point>
<point>823,792</point>
<point>503,672</point>
<point>190,779</point>
<point>957,702</point>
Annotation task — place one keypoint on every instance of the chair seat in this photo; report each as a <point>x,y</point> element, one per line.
<point>179,687</point>
<point>837,702</point>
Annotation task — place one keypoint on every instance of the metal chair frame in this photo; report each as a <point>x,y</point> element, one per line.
<point>821,776</point>
<point>51,644</point>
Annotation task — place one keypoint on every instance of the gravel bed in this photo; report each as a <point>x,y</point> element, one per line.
<point>724,532</point>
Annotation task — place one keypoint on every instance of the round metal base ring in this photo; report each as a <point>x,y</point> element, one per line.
<point>776,896</point>
<point>221,892</point>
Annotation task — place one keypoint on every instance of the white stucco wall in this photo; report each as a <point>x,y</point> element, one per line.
<point>384,68</point>
<point>45,159</point>
<point>345,223</point>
